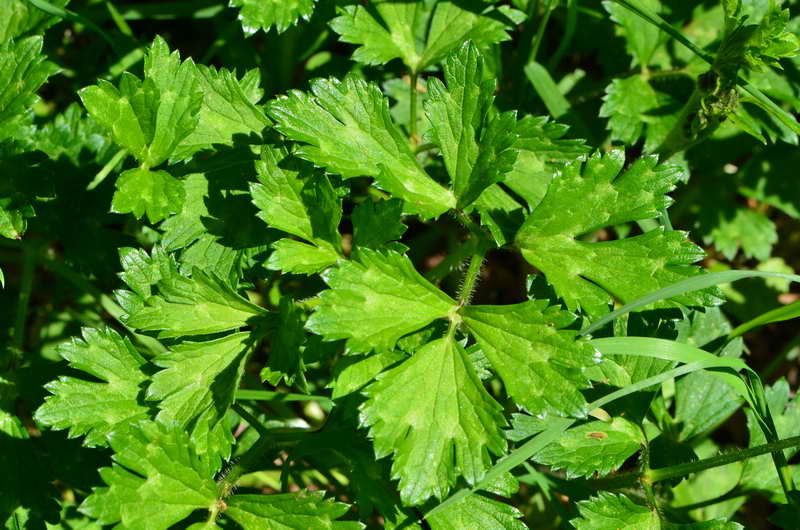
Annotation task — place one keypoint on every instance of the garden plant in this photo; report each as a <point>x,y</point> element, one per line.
<point>420,264</point>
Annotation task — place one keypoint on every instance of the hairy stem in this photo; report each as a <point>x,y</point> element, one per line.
<point>471,277</point>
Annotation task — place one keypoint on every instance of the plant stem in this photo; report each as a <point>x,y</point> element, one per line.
<point>103,173</point>
<point>471,277</point>
<point>681,470</point>
<point>266,395</point>
<point>537,40</point>
<point>26,285</point>
<point>412,124</point>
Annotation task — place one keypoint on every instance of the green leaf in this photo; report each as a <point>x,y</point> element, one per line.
<point>23,70</point>
<point>264,14</point>
<point>285,360</point>
<point>590,275</point>
<point>540,363</point>
<point>748,229</point>
<point>377,223</point>
<point>297,257</point>
<point>95,408</point>
<point>610,511</point>
<point>474,140</point>
<point>304,509</point>
<point>294,198</point>
<point>141,192</point>
<point>421,33</point>
<point>434,416</point>
<point>376,300</point>
<point>542,153</point>
<point>346,127</point>
<point>594,447</point>
<point>198,379</point>
<point>71,134</point>
<point>199,305</point>
<point>626,102</point>
<point>157,479</point>
<point>149,118</point>
<point>229,110</point>
<point>477,511</point>
<point>18,17</point>
<point>353,372</point>
<point>641,38</point>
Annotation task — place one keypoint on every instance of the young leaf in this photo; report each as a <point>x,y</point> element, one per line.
<point>420,33</point>
<point>142,191</point>
<point>347,129</point>
<point>149,118</point>
<point>588,275</point>
<point>434,416</point>
<point>475,141</point>
<point>91,408</point>
<point>264,14</point>
<point>376,300</point>
<point>540,363</point>
<point>594,447</point>
<point>198,379</point>
<point>304,509</point>
<point>157,479</point>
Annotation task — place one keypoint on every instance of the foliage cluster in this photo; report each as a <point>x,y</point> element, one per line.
<point>399,263</point>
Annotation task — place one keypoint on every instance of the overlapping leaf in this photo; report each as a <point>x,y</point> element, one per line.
<point>474,139</point>
<point>434,416</point>
<point>199,305</point>
<point>198,379</point>
<point>589,275</point>
<point>23,70</point>
<point>541,364</point>
<point>345,127</point>
<point>294,198</point>
<point>594,447</point>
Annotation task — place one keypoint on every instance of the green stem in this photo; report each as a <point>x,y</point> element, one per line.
<point>412,124</point>
<point>110,165</point>
<point>26,285</point>
<point>537,40</point>
<point>451,261</point>
<point>471,277</point>
<point>251,420</point>
<point>653,476</point>
<point>569,33</point>
<point>266,395</point>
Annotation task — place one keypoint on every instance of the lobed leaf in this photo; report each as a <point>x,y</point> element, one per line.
<point>541,364</point>
<point>265,14</point>
<point>474,140</point>
<point>590,275</point>
<point>345,127</point>
<point>375,300</point>
<point>432,414</point>
<point>95,408</point>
